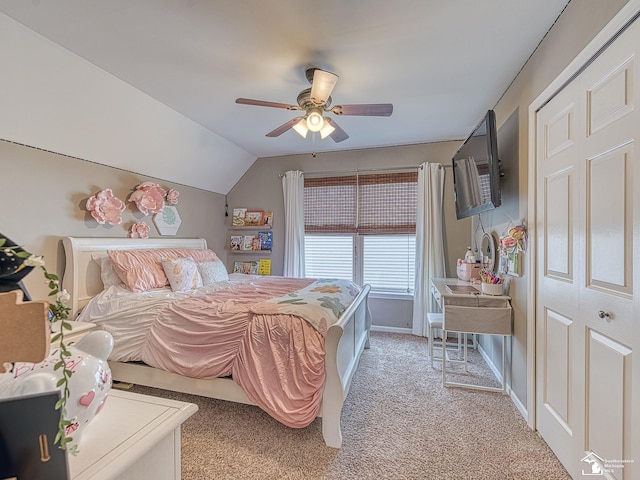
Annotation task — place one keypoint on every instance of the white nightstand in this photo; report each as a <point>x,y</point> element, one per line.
<point>133,437</point>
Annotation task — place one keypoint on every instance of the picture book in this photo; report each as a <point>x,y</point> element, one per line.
<point>256,243</point>
<point>264,266</point>
<point>253,218</point>
<point>267,218</point>
<point>236,242</point>
<point>238,217</point>
<point>248,268</point>
<point>265,240</point>
<point>247,243</point>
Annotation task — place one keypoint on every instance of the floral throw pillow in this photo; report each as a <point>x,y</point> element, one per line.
<point>182,273</point>
<point>213,272</point>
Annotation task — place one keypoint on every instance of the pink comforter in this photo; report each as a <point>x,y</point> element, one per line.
<point>277,359</point>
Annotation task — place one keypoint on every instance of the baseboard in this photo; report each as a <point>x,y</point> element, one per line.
<point>382,328</point>
<point>519,405</point>
<point>514,398</point>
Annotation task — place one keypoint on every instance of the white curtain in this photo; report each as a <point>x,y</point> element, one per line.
<point>293,188</point>
<point>430,261</point>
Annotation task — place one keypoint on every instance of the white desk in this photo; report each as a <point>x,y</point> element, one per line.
<point>133,437</point>
<point>474,313</point>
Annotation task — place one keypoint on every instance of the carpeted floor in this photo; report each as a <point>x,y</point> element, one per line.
<point>398,422</point>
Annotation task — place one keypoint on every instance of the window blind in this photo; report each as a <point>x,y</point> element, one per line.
<point>366,204</point>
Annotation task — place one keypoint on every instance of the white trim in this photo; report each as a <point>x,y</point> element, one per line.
<point>382,328</point>
<point>626,13</point>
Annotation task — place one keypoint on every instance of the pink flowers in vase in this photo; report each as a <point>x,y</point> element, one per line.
<point>105,207</point>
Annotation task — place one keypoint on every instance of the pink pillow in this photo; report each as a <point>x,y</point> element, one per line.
<point>141,270</point>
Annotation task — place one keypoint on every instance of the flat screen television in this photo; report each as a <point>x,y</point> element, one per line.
<point>476,170</point>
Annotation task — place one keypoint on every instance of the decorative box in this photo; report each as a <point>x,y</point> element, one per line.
<point>469,271</point>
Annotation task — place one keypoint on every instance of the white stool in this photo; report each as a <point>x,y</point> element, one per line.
<point>434,320</point>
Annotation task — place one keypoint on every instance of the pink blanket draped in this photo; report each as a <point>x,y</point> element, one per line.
<point>278,360</point>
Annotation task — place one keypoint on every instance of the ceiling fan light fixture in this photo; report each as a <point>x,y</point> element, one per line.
<point>315,122</point>
<point>327,130</point>
<point>301,128</point>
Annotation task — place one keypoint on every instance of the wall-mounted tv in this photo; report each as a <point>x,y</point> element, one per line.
<point>476,170</point>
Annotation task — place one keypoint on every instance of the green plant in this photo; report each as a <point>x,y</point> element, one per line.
<point>59,314</point>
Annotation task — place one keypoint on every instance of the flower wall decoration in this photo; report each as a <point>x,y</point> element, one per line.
<point>105,207</point>
<point>172,197</point>
<point>139,230</point>
<point>149,197</point>
<point>515,240</point>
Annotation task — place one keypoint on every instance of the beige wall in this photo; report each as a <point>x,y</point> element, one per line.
<point>43,196</point>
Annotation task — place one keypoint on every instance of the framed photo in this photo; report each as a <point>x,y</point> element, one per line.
<point>253,218</point>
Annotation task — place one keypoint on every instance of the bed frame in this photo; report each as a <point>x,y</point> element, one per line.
<point>344,341</point>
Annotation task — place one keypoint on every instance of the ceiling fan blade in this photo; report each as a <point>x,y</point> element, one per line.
<point>364,109</point>
<point>284,127</point>
<point>262,103</point>
<point>322,86</point>
<point>338,135</point>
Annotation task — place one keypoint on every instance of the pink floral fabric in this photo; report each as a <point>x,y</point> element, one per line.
<point>105,207</point>
<point>149,197</point>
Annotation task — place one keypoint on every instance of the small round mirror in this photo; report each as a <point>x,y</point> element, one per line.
<point>488,250</point>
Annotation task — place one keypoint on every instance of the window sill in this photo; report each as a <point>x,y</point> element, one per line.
<point>391,295</point>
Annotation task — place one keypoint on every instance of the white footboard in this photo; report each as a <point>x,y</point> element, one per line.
<point>344,344</point>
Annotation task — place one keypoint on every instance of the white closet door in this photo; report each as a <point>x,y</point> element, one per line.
<point>587,215</point>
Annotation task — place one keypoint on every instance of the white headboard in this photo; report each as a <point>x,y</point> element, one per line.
<point>82,275</point>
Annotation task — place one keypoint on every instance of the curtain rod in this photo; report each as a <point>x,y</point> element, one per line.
<point>386,169</point>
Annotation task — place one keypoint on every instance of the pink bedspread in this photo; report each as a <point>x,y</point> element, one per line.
<point>277,359</point>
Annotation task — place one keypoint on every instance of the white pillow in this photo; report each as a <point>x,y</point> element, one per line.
<point>213,272</point>
<point>182,273</point>
<point>108,275</point>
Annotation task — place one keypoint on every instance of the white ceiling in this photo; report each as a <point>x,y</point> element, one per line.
<point>441,63</point>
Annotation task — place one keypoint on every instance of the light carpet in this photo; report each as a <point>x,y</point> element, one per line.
<point>398,422</point>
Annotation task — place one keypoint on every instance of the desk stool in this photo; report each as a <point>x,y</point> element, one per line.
<point>434,320</point>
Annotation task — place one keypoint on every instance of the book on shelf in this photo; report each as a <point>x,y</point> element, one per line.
<point>253,218</point>
<point>264,266</point>
<point>238,218</point>
<point>248,267</point>
<point>256,243</point>
<point>266,240</point>
<point>236,242</point>
<point>247,242</point>
<point>267,218</point>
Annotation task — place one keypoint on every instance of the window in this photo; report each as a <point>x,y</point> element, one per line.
<point>362,228</point>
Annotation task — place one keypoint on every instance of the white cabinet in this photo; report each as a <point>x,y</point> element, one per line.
<point>133,437</point>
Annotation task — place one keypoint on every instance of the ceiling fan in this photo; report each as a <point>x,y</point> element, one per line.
<point>316,101</point>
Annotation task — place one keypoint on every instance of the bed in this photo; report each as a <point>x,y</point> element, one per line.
<point>343,341</point>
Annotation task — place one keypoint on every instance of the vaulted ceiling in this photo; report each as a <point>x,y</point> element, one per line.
<point>441,64</point>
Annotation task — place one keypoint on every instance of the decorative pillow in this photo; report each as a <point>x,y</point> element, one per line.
<point>182,273</point>
<point>108,275</point>
<point>212,272</point>
<point>141,270</point>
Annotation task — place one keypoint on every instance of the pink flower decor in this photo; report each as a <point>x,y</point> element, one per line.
<point>105,207</point>
<point>149,197</point>
<point>172,197</point>
<point>139,230</point>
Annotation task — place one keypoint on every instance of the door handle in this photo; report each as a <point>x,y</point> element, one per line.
<point>603,314</point>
